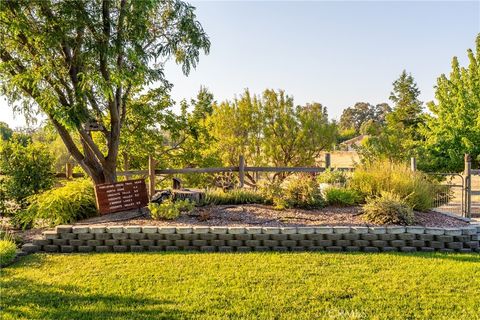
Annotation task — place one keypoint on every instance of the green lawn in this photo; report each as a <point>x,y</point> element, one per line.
<point>247,286</point>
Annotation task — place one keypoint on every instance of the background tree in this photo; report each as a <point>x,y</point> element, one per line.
<point>294,136</point>
<point>145,130</point>
<point>270,130</point>
<point>27,170</point>
<point>407,115</point>
<point>453,127</point>
<point>48,137</point>
<point>5,131</point>
<point>81,61</point>
<point>353,118</point>
<point>400,136</point>
<point>236,127</point>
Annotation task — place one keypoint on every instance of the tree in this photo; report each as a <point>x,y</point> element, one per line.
<point>270,130</point>
<point>28,169</point>
<point>294,136</point>
<point>145,131</point>
<point>5,131</point>
<point>354,117</point>
<point>80,62</point>
<point>453,128</point>
<point>236,128</point>
<point>195,150</point>
<point>407,112</point>
<point>47,136</point>
<point>400,136</point>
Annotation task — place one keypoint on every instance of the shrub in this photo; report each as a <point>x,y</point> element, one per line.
<point>332,177</point>
<point>235,196</point>
<point>388,208</point>
<point>71,202</point>
<point>299,192</point>
<point>28,170</point>
<point>342,196</point>
<point>416,188</point>
<point>8,249</point>
<point>170,209</point>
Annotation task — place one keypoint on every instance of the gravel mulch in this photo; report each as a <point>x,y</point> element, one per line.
<point>244,216</point>
<point>262,215</point>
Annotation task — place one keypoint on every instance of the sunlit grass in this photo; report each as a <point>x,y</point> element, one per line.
<point>247,286</point>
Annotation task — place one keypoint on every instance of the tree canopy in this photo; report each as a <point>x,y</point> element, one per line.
<point>399,138</point>
<point>269,129</point>
<point>453,127</point>
<point>354,117</point>
<point>79,62</point>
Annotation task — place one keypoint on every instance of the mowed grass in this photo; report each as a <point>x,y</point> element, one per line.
<point>246,286</point>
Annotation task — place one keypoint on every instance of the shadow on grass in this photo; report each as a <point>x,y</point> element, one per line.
<point>460,257</point>
<point>22,298</point>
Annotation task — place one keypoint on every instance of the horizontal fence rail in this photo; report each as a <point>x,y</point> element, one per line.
<point>459,195</point>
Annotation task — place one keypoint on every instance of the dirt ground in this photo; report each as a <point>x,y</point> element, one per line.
<point>247,215</point>
<point>262,215</point>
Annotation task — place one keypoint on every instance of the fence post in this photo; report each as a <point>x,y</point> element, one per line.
<point>413,164</point>
<point>241,170</point>
<point>468,185</point>
<point>151,176</point>
<point>125,166</point>
<point>328,162</point>
<point>68,170</point>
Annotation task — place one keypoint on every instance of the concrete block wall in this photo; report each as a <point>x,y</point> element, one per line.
<point>66,239</point>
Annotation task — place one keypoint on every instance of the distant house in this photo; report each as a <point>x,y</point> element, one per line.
<point>351,144</point>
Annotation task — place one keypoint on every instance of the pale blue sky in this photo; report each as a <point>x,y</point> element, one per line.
<point>335,53</point>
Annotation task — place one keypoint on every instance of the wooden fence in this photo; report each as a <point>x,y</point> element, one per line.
<point>466,182</point>
<point>152,172</point>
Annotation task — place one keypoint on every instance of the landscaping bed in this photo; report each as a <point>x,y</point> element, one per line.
<point>266,216</point>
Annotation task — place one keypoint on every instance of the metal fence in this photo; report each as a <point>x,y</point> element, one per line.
<point>475,193</point>
<point>450,196</point>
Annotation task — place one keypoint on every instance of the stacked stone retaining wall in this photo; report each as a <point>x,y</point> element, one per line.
<point>66,239</point>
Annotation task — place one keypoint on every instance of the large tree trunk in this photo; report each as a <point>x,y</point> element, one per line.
<point>99,168</point>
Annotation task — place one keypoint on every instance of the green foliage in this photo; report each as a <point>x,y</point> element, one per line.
<point>400,137</point>
<point>299,192</point>
<point>407,110</point>
<point>354,117</point>
<point>66,204</point>
<point>416,188</point>
<point>170,209</point>
<point>346,134</point>
<point>47,135</point>
<point>5,131</point>
<point>272,191</point>
<point>191,139</point>
<point>453,127</point>
<point>5,202</point>
<point>388,208</point>
<point>332,176</point>
<point>82,62</point>
<point>342,196</point>
<point>8,251</point>
<point>294,136</point>
<point>235,196</point>
<point>28,170</point>
<point>270,130</point>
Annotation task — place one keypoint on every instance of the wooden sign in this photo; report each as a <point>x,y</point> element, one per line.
<point>121,196</point>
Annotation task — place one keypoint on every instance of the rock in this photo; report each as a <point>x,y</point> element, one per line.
<point>159,197</point>
<point>194,195</point>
